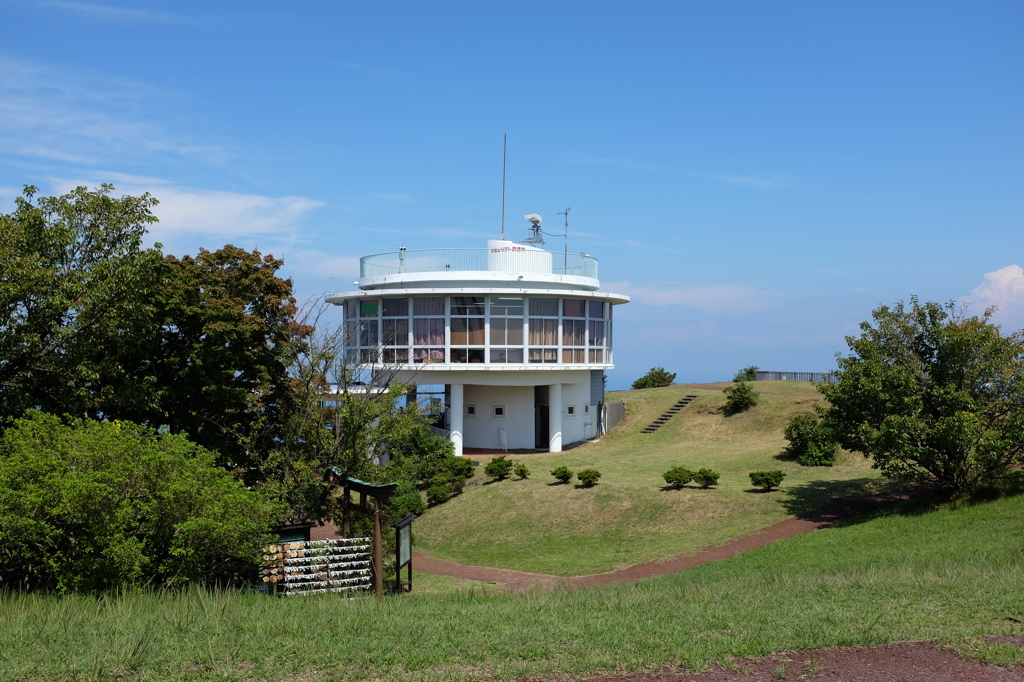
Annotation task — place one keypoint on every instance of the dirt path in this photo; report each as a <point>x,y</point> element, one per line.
<point>519,581</point>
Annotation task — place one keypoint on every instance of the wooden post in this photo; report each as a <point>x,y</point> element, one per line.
<point>378,550</point>
<point>346,503</point>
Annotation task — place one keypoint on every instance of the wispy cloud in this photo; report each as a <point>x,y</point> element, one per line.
<point>1003,288</point>
<point>117,14</point>
<point>87,118</point>
<point>723,299</point>
<point>766,181</point>
<point>323,264</point>
<point>224,215</point>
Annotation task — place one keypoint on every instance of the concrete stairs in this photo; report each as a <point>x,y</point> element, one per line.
<point>669,413</point>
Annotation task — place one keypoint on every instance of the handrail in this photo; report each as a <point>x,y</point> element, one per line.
<point>511,260</point>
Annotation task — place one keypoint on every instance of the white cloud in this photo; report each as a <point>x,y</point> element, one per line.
<point>319,263</point>
<point>185,210</point>
<point>1004,289</point>
<point>727,298</point>
<point>84,117</point>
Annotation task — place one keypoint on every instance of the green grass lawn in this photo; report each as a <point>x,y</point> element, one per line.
<point>925,573</point>
<point>629,517</point>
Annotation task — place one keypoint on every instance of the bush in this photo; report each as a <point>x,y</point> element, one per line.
<point>656,378</point>
<point>438,494</point>
<point>810,442</point>
<point>588,477</point>
<point>90,506</point>
<point>739,398</point>
<point>459,467</point>
<point>705,478</point>
<point>499,468</point>
<point>747,374</point>
<point>678,476</point>
<point>562,474</point>
<point>521,471</point>
<point>407,500</point>
<point>767,479</point>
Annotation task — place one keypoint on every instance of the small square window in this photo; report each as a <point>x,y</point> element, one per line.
<point>586,409</point>
<point>498,411</point>
<point>570,410</point>
<point>470,410</point>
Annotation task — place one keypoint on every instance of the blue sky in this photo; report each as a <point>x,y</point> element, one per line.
<point>757,176</point>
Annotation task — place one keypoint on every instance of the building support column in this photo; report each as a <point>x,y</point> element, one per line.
<point>555,418</point>
<point>456,408</point>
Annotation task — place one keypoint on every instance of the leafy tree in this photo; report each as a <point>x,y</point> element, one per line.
<point>656,378</point>
<point>747,374</point>
<point>739,398</point>
<point>766,480</point>
<point>678,476</point>
<point>588,477</point>
<point>810,442</point>
<point>930,393</point>
<point>562,474</point>
<point>92,506</point>
<point>75,286</point>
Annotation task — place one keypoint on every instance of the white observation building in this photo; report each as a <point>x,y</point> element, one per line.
<point>520,337</point>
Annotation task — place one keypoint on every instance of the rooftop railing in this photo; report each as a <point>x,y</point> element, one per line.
<point>506,259</point>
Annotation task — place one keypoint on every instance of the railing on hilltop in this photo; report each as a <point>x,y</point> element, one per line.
<point>531,261</point>
<point>828,377</point>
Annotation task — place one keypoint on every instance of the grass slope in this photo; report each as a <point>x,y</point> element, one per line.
<point>925,574</point>
<point>629,517</point>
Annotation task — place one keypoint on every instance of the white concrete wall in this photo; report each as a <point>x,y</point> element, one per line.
<point>481,430</point>
<point>576,427</point>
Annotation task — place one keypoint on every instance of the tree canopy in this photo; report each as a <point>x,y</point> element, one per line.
<point>930,393</point>
<point>90,506</point>
<point>657,377</point>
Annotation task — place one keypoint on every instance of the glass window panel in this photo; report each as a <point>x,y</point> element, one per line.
<point>573,332</point>
<point>498,355</point>
<point>543,332</point>
<point>368,307</point>
<point>396,307</point>
<point>506,332</point>
<point>460,332</point>
<point>476,331</point>
<point>467,305</point>
<point>428,305</point>
<point>573,307</point>
<point>368,333</point>
<point>597,356</point>
<point>544,306</point>
<point>596,309</point>
<point>396,355</point>
<point>514,354</point>
<point>475,355</point>
<point>506,305</point>
<point>425,355</point>
<point>596,333</point>
<point>396,332</point>
<point>351,308</point>
<point>428,331</point>
<point>573,355</point>
<point>546,355</point>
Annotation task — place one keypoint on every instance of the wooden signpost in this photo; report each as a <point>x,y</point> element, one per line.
<point>381,494</point>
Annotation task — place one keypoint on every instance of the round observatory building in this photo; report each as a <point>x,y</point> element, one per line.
<point>518,336</point>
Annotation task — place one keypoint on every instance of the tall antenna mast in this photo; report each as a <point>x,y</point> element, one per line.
<point>566,214</point>
<point>504,160</point>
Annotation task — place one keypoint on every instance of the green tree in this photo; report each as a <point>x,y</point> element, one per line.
<point>656,378</point>
<point>75,284</point>
<point>930,393</point>
<point>747,374</point>
<point>739,398</point>
<point>91,506</point>
<point>810,443</point>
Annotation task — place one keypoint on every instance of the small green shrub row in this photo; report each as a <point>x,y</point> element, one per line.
<point>767,479</point>
<point>588,477</point>
<point>680,476</point>
<point>501,468</point>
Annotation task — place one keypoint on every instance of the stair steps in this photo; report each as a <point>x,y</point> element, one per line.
<point>668,414</point>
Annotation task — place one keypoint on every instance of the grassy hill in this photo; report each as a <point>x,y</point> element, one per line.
<point>630,516</point>
<point>919,573</point>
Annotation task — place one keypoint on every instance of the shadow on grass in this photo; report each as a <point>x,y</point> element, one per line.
<point>558,483</point>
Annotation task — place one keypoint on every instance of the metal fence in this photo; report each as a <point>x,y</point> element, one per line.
<point>613,414</point>
<point>828,377</point>
<point>301,568</point>
<point>461,260</point>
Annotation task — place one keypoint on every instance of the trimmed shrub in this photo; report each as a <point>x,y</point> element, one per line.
<point>705,478</point>
<point>656,378</point>
<point>767,479</point>
<point>562,474</point>
<point>407,500</point>
<point>499,468</point>
<point>747,374</point>
<point>678,476</point>
<point>810,442</point>
<point>739,398</point>
<point>588,477</point>
<point>438,494</point>
<point>459,466</point>
<point>521,471</point>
